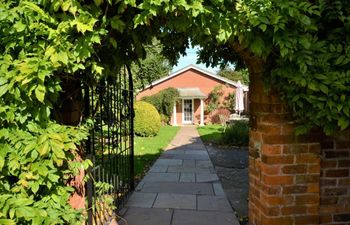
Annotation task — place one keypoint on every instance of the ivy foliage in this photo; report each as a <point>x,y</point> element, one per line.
<point>40,44</point>
<point>213,101</point>
<point>164,101</point>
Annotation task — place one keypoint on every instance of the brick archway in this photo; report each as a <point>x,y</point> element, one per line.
<point>292,180</point>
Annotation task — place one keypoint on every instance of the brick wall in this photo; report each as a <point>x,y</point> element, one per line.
<point>294,180</point>
<point>335,180</point>
<point>284,172</point>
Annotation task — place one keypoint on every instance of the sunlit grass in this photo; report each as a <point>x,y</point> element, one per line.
<point>211,133</point>
<point>148,149</point>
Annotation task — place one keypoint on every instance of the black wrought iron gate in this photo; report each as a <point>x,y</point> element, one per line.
<point>109,104</point>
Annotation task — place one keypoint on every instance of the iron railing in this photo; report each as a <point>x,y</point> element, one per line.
<point>109,104</point>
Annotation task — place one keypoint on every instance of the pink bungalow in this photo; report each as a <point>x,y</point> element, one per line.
<point>194,85</point>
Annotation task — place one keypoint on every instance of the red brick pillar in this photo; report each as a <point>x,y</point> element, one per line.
<point>335,180</point>
<point>284,172</point>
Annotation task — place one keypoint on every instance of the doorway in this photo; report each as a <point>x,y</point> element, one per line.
<point>187,111</point>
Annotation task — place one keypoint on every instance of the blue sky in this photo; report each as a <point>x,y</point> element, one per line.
<point>191,58</point>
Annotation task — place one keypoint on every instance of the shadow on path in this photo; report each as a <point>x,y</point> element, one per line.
<point>231,165</point>
<point>181,188</point>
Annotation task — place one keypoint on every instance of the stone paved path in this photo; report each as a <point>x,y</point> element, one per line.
<point>181,188</point>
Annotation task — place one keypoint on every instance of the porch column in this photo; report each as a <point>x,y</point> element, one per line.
<point>202,113</point>
<point>174,115</point>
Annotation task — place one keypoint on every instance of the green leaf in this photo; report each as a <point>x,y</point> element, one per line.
<point>66,5</point>
<point>304,41</point>
<point>263,27</point>
<point>35,187</point>
<point>40,92</point>
<point>97,69</point>
<point>257,46</point>
<point>3,89</point>
<point>53,177</point>
<point>57,149</point>
<point>26,212</point>
<point>7,222</point>
<point>62,57</point>
<point>4,150</point>
<point>44,148</point>
<point>19,26</point>
<point>36,8</point>
<point>340,60</point>
<point>305,20</point>
<point>323,88</point>
<point>343,123</point>
<point>117,23</point>
<point>300,130</point>
<point>98,2</point>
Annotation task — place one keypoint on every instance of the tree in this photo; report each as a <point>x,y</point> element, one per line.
<point>301,46</point>
<point>232,74</point>
<point>153,67</point>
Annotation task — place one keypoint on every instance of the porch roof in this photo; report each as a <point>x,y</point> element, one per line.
<point>190,93</point>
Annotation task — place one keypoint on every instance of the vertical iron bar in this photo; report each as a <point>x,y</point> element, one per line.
<point>89,184</point>
<point>131,129</point>
<point>101,122</point>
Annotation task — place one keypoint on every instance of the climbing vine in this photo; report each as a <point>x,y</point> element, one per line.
<point>214,99</point>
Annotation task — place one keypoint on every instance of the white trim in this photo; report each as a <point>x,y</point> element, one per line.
<point>183,111</point>
<point>174,114</point>
<point>233,83</point>
<point>202,112</point>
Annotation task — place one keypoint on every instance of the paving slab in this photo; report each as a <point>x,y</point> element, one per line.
<point>180,188</point>
<point>188,217</point>
<point>187,177</point>
<point>175,201</point>
<point>144,200</point>
<point>207,177</point>
<point>204,164</point>
<point>218,190</point>
<point>161,177</point>
<point>214,203</point>
<point>158,169</point>
<point>181,169</point>
<point>139,186</point>
<point>145,216</point>
<point>194,146</point>
<point>185,156</point>
<point>174,151</point>
<point>196,152</point>
<point>189,163</point>
<point>168,162</point>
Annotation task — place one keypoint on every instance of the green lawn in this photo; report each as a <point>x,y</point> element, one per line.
<point>147,149</point>
<point>236,134</point>
<point>211,133</point>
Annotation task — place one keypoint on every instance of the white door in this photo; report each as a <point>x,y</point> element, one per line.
<point>188,111</point>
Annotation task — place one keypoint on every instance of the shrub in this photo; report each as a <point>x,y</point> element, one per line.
<point>220,116</point>
<point>147,119</point>
<point>230,101</point>
<point>163,101</point>
<point>237,134</point>
<point>164,119</point>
